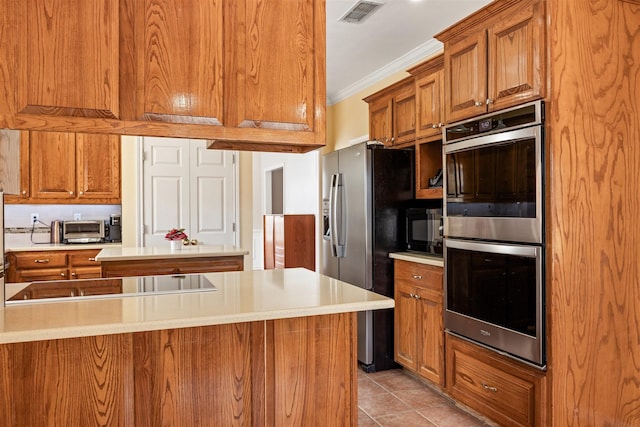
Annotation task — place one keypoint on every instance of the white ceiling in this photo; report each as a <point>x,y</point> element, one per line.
<point>396,36</point>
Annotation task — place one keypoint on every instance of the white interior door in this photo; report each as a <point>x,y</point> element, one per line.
<point>187,186</point>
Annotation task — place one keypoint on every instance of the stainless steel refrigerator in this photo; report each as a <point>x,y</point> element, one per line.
<point>365,189</point>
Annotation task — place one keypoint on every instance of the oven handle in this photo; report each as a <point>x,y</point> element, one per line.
<point>494,248</point>
<point>494,139</point>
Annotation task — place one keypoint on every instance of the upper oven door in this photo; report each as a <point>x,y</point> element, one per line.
<point>494,186</point>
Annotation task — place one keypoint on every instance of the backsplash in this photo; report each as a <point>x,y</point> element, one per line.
<point>18,217</point>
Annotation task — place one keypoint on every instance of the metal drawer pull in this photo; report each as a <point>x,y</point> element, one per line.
<point>92,259</point>
<point>490,388</point>
<point>416,276</point>
<point>41,261</point>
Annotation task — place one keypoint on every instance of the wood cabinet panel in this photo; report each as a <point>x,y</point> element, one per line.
<point>291,74</point>
<point>418,316</point>
<point>392,114</point>
<point>465,77</point>
<point>165,266</point>
<point>79,381</point>
<point>37,275</point>
<point>52,165</point>
<point>270,373</point>
<point>502,389</point>
<point>181,40</point>
<point>289,241</point>
<point>195,376</point>
<point>68,61</point>
<point>430,104</point>
<point>36,266</point>
<point>61,167</point>
<point>127,67</point>
<point>98,167</point>
<point>10,161</point>
<point>516,58</point>
<point>495,59</point>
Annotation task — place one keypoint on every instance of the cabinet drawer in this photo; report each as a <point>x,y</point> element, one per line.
<point>40,259</point>
<point>41,274</point>
<point>84,258</point>
<point>426,276</point>
<point>501,389</point>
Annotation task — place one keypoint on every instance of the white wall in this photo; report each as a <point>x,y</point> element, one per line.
<point>301,192</point>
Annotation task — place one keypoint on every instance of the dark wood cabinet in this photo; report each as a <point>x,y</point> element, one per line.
<point>172,265</point>
<point>289,241</point>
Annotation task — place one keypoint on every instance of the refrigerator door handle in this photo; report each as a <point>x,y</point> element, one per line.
<point>334,197</point>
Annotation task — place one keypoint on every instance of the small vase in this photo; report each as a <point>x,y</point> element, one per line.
<point>176,245</point>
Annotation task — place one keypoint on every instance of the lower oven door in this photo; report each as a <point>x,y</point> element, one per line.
<point>494,295</point>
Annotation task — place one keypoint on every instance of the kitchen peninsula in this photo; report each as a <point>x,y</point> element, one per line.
<point>273,347</point>
<point>119,261</point>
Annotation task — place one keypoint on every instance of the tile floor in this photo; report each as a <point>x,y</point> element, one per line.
<point>394,398</point>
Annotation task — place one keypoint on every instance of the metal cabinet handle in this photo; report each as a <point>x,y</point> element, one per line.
<point>489,101</point>
<point>434,126</point>
<point>490,388</point>
<point>478,104</point>
<point>416,276</point>
<point>92,259</point>
<point>416,296</point>
<point>61,274</point>
<point>41,261</point>
<point>71,193</point>
<point>81,193</point>
<point>24,192</point>
<point>73,274</point>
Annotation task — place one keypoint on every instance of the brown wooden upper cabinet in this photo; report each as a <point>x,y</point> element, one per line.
<point>60,167</point>
<point>494,59</point>
<point>392,114</point>
<point>429,87</point>
<point>243,74</point>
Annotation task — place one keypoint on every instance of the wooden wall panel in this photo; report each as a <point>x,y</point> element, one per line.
<point>593,129</point>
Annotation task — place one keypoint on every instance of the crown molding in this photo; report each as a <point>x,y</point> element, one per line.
<point>412,57</point>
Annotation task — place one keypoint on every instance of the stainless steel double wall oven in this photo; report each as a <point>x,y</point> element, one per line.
<point>494,231</point>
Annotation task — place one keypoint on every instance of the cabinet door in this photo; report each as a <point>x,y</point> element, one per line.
<point>278,63</point>
<point>431,360</point>
<point>404,116</point>
<point>85,272</point>
<point>466,78</point>
<point>67,57</point>
<point>10,161</point>
<point>98,167</point>
<point>429,105</point>
<point>180,61</point>
<point>516,58</point>
<point>52,163</point>
<point>380,114</point>
<point>406,326</point>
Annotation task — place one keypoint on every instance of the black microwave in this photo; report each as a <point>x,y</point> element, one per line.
<point>424,230</point>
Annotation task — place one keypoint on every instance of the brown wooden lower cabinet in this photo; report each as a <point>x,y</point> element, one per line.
<point>155,267</point>
<point>419,330</point>
<point>502,389</point>
<point>299,371</point>
<point>36,266</point>
<point>289,241</point>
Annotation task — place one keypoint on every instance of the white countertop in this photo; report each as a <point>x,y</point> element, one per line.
<point>241,296</point>
<point>419,258</point>
<point>22,242</point>
<point>120,253</point>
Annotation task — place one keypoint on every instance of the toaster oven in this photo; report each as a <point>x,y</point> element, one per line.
<point>84,231</point>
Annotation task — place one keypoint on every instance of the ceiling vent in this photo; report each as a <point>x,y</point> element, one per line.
<point>359,11</point>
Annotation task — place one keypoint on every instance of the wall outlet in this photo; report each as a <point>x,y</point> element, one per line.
<point>77,216</point>
<point>35,218</point>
